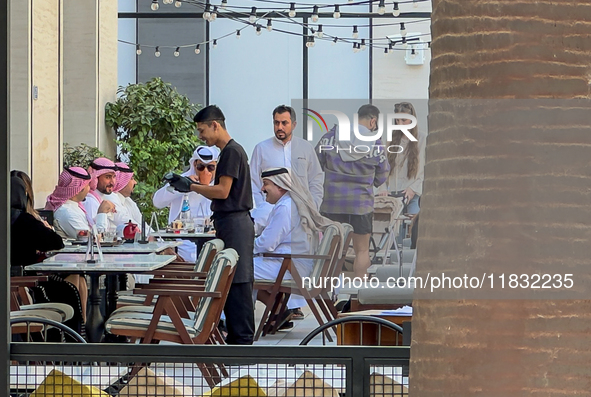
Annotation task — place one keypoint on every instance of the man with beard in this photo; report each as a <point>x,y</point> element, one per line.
<point>288,151</point>
<point>102,183</point>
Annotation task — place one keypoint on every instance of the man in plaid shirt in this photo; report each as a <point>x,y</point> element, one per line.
<point>352,168</point>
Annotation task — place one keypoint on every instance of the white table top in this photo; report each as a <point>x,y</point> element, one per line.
<point>113,263</point>
<point>125,248</point>
<point>182,235</point>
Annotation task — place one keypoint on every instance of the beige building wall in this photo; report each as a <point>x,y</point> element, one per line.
<point>63,69</point>
<point>90,71</point>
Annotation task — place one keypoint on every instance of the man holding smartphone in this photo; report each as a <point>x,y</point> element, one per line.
<point>231,197</point>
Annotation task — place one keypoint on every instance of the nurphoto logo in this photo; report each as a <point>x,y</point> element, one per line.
<point>344,131</point>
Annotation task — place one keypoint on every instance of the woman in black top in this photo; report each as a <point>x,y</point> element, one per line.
<point>29,236</point>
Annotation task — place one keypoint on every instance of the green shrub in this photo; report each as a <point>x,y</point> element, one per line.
<point>81,155</point>
<point>156,134</point>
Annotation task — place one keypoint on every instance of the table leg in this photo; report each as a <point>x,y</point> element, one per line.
<point>112,286</point>
<point>95,322</point>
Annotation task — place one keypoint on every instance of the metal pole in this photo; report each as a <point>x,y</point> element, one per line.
<point>305,75</point>
<point>207,47</point>
<point>4,199</point>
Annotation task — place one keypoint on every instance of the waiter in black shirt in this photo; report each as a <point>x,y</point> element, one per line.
<point>231,202</point>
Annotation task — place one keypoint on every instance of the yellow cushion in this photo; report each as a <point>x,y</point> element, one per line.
<point>242,387</point>
<point>147,383</point>
<point>309,385</point>
<point>380,385</point>
<point>58,384</point>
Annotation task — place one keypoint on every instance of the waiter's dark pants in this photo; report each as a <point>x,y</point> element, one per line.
<point>236,229</point>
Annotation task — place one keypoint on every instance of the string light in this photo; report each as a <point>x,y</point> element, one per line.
<point>363,47</point>
<point>355,32</point>
<point>177,52</point>
<point>319,32</point>
<point>197,50</point>
<point>413,52</point>
<point>402,29</point>
<point>155,6</point>
<point>292,10</point>
<point>157,52</point>
<point>269,25</point>
<point>334,41</point>
<point>415,3</point>
<point>215,43</point>
<point>238,33</point>
<point>429,44</point>
<point>138,50</point>
<point>310,42</point>
<point>404,42</point>
<point>396,11</point>
<point>385,51</point>
<point>253,15</point>
<point>315,14</point>
<point>214,14</point>
<point>178,4</point>
<point>337,12</point>
<point>206,13</point>
<point>224,4</point>
<point>167,1</point>
<point>258,30</point>
<point>382,7</point>
<point>355,49</point>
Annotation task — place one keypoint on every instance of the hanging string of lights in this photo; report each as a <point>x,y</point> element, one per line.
<point>315,30</point>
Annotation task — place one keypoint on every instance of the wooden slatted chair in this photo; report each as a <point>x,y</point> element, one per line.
<point>279,289</point>
<point>166,322</point>
<point>177,270</point>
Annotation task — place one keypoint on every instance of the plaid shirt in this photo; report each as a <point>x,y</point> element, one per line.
<point>348,186</point>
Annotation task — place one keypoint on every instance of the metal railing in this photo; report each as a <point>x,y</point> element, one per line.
<point>194,370</point>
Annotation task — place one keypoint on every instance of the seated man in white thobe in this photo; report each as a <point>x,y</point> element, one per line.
<point>102,183</point>
<point>292,228</point>
<point>201,169</point>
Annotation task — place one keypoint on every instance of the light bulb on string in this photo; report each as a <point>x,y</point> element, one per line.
<point>355,49</point>
<point>224,4</point>
<point>177,52</point>
<point>215,43</point>
<point>337,12</point>
<point>258,30</point>
<point>429,44</point>
<point>382,7</point>
<point>413,53</point>
<point>154,6</point>
<point>315,14</point>
<point>237,33</point>
<point>157,52</point>
<point>138,50</point>
<point>178,3</point>
<point>206,12</point>
<point>167,1</point>
<point>415,3</point>
<point>355,32</point>
<point>334,41</point>
<point>253,15</point>
<point>362,47</point>
<point>269,25</point>
<point>402,29</point>
<point>292,10</point>
<point>214,14</point>
<point>396,10</point>
<point>197,50</point>
<point>310,42</point>
<point>404,44</point>
<point>319,32</point>
<point>391,48</point>
<point>385,52</point>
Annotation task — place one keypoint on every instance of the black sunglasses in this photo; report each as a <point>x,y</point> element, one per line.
<point>201,167</point>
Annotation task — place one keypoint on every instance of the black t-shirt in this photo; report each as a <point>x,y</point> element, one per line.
<point>29,235</point>
<point>233,162</point>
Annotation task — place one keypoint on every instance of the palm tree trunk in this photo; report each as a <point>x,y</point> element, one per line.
<point>507,191</point>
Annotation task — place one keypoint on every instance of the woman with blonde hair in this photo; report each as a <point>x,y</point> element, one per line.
<point>407,167</point>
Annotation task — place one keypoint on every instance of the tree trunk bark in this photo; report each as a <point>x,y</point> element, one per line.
<point>507,191</point>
